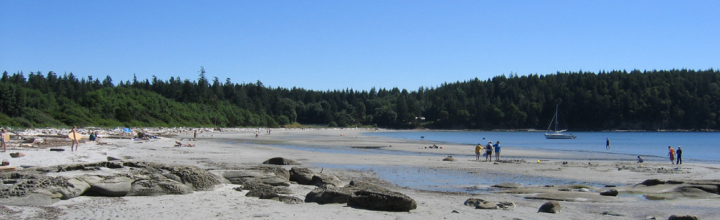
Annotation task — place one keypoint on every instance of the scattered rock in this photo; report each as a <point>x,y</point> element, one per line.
<point>611,213</point>
<point>17,154</point>
<point>454,211</point>
<point>584,190</point>
<point>473,201</point>
<point>326,179</point>
<point>302,175</point>
<point>565,189</point>
<point>610,186</point>
<point>683,217</point>
<point>281,161</point>
<point>264,191</point>
<point>674,182</point>
<point>508,185</point>
<point>611,192</point>
<point>449,158</point>
<point>109,158</point>
<point>158,187</point>
<point>550,207</point>
<point>507,205</point>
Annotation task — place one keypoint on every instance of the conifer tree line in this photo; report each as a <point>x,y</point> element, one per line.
<point>613,100</point>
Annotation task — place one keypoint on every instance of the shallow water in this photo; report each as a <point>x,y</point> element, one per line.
<point>450,180</point>
<point>697,146</point>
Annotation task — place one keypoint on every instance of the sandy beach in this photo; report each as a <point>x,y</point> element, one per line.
<point>221,151</point>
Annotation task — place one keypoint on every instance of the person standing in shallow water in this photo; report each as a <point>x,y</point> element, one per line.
<point>497,150</point>
<point>488,151</point>
<point>679,155</point>
<point>671,153</point>
<point>607,143</point>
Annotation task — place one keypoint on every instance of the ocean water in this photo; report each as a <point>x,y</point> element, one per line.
<point>696,146</point>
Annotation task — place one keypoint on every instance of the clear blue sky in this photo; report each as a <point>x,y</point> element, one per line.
<point>359,44</point>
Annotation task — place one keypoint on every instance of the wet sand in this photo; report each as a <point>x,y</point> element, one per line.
<point>409,168</point>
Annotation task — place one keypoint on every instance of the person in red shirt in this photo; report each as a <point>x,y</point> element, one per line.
<point>671,153</point>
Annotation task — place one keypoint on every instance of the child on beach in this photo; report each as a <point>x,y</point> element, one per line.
<point>640,160</point>
<point>478,148</point>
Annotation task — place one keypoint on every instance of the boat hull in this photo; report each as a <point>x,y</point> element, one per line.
<point>560,136</point>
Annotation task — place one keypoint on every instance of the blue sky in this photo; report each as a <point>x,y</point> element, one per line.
<point>323,45</point>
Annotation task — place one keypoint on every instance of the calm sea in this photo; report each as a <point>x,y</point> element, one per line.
<point>697,146</point>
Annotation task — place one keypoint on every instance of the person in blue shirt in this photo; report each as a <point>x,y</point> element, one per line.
<point>497,150</point>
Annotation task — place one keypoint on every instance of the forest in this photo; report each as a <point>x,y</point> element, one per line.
<point>677,99</point>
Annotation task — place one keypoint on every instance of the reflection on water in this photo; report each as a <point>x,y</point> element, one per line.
<point>451,180</point>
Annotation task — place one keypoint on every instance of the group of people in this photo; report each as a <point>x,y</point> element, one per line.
<point>489,148</point>
<point>672,153</point>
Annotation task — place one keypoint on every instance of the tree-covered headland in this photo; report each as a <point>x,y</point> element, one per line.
<point>677,99</point>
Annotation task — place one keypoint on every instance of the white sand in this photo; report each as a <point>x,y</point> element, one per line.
<point>218,151</point>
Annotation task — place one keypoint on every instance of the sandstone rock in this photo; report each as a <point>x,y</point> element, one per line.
<point>158,187</point>
<point>290,200</point>
<point>610,192</point>
<point>74,189</point>
<point>265,191</point>
<point>683,217</point>
<point>264,175</point>
<point>326,179</point>
<point>382,200</point>
<point>486,205</point>
<point>550,207</point>
<point>111,186</point>
<point>508,185</point>
<point>281,161</point>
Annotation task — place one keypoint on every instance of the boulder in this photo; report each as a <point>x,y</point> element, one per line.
<point>486,205</point>
<point>306,176</point>
<point>610,192</point>
<point>382,200</point>
<point>683,217</point>
<point>652,182</point>
<point>302,175</point>
<point>508,185</point>
<point>326,179</point>
<point>111,186</point>
<point>449,158</point>
<point>74,189</point>
<point>550,207</point>
<point>265,175</point>
<point>329,194</point>
<point>473,201</point>
<point>281,161</point>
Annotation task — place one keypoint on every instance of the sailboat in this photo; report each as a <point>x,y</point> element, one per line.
<point>557,134</point>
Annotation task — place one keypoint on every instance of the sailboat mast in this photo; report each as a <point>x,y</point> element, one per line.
<point>556,116</point>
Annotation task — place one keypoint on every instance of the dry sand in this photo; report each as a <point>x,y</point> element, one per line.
<point>219,151</point>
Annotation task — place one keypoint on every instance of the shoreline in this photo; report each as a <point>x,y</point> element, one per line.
<point>229,150</point>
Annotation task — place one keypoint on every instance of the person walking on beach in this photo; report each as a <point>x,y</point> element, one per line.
<point>75,142</point>
<point>679,156</point>
<point>195,136</point>
<point>497,150</point>
<point>607,143</point>
<point>488,151</point>
<point>671,153</point>
<point>478,149</point>
<point>2,140</point>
